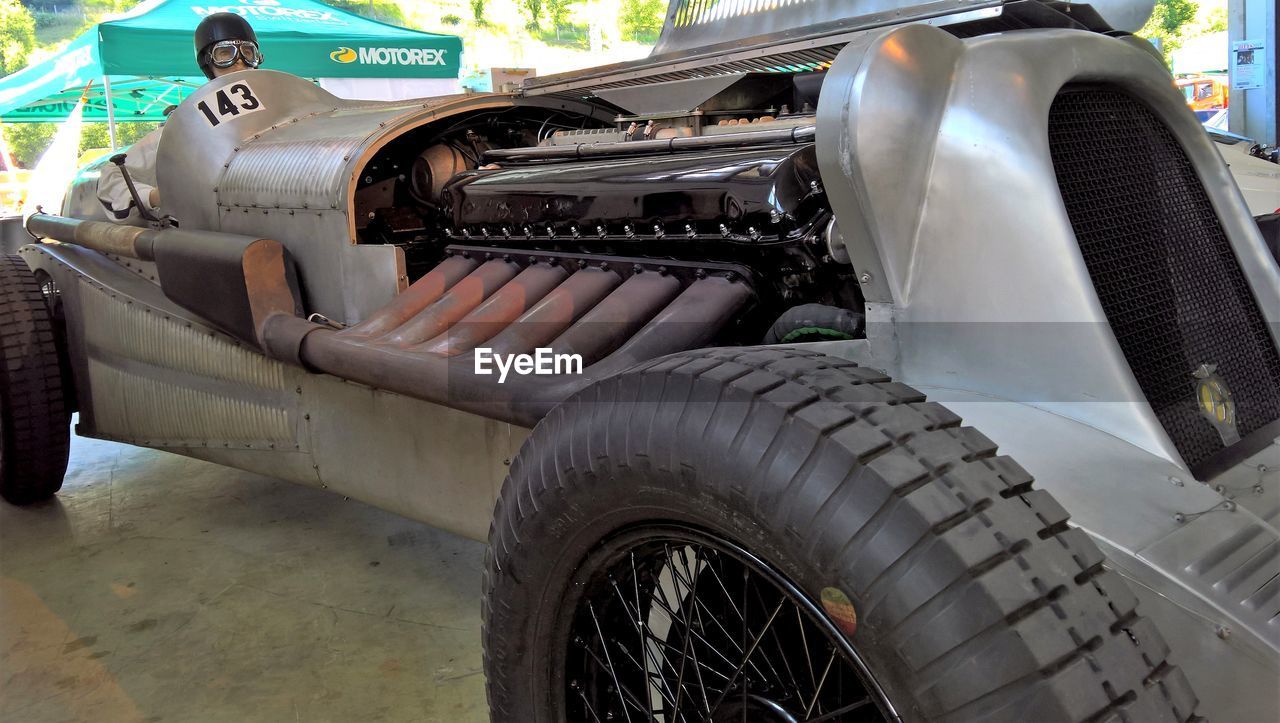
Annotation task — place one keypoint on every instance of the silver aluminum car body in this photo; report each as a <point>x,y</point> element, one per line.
<point>978,294</point>
<point>935,156</point>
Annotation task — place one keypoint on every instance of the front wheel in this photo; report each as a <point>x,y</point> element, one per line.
<point>34,418</point>
<point>776,535</point>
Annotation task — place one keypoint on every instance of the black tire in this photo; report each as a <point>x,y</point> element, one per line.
<point>974,599</point>
<point>34,421</point>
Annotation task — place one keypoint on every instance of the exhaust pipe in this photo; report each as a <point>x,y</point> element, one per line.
<point>248,287</point>
<point>235,282</point>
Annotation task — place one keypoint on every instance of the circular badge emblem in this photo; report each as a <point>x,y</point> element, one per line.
<point>840,608</point>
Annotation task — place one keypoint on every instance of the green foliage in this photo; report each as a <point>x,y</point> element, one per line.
<point>59,20</point>
<point>558,13</point>
<point>28,140</point>
<point>532,9</point>
<point>1210,20</point>
<point>104,7</point>
<point>641,20</point>
<point>477,10</point>
<point>1169,15</point>
<point>17,36</point>
<point>1166,24</point>
<point>451,19</point>
<point>567,36</point>
<point>95,135</point>
<point>380,10</point>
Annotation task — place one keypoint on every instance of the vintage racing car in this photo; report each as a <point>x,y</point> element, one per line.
<point>689,341</point>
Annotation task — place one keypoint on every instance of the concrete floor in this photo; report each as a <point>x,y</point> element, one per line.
<point>155,587</point>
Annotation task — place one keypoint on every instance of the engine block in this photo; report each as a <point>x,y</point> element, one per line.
<point>758,195</point>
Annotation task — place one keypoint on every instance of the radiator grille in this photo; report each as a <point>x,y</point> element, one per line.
<point>1163,268</point>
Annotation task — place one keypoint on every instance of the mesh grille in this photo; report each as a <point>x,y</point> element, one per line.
<point>1162,266</point>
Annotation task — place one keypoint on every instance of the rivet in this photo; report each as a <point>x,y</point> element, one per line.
<point>865,278</point>
<point>1175,481</point>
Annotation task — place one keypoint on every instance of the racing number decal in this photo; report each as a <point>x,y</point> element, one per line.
<point>234,100</point>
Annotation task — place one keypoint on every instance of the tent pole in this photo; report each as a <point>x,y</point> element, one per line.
<point>111,111</point>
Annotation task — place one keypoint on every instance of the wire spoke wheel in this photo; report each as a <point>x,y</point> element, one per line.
<point>675,625</point>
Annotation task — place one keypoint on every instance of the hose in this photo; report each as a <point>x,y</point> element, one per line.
<point>814,322</point>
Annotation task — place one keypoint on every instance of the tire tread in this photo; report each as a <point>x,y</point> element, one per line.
<point>975,532</point>
<point>36,418</point>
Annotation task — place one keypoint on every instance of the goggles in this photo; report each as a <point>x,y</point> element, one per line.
<point>224,53</point>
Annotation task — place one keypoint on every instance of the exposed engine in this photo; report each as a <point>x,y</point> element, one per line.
<point>714,184</point>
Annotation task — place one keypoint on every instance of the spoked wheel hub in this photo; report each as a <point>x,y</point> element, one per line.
<point>674,624</point>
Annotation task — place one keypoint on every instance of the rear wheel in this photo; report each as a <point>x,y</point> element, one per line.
<point>34,417</point>
<point>776,535</point>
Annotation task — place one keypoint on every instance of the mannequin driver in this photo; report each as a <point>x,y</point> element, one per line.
<point>225,43</point>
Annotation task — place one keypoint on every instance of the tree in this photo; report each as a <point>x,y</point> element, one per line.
<point>17,36</point>
<point>533,8</point>
<point>477,10</point>
<point>380,10</point>
<point>95,135</point>
<point>1166,22</point>
<point>28,140</point>
<point>641,19</point>
<point>558,13</point>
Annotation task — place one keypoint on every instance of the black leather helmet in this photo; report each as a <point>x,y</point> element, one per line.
<point>216,28</point>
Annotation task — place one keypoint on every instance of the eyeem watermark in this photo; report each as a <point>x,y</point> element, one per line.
<point>542,362</point>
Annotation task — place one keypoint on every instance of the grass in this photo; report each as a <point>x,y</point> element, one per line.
<point>56,28</point>
<point>567,36</point>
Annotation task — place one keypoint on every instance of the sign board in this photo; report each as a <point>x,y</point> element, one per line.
<point>1248,64</point>
<point>508,80</point>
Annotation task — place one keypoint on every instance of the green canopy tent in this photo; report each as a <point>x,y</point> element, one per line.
<point>138,64</point>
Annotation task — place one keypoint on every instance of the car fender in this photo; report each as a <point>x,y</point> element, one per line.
<point>1202,559</point>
